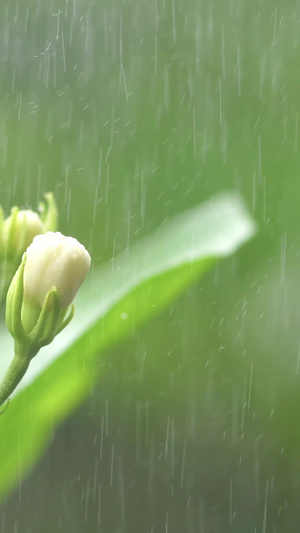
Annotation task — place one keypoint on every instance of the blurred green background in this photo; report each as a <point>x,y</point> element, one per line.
<point>132,111</point>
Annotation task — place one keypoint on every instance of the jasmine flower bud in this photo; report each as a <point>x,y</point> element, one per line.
<point>54,260</point>
<point>17,232</point>
<point>39,296</point>
<point>19,229</point>
<point>45,284</point>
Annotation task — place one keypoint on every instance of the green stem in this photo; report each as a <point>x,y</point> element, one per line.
<point>13,376</point>
<point>15,372</point>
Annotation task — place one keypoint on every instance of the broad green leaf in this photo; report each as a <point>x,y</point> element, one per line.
<point>119,297</point>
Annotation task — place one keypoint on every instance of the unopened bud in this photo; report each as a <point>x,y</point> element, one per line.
<point>54,260</point>
<point>19,229</point>
<point>17,232</point>
<point>44,286</point>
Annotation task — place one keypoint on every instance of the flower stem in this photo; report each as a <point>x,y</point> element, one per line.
<point>15,371</point>
<point>13,376</point>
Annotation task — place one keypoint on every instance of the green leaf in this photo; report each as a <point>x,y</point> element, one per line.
<point>118,297</point>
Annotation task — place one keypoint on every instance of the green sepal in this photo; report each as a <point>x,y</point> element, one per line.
<point>9,242</point>
<point>2,246</point>
<point>49,212</point>
<point>63,323</point>
<point>14,302</point>
<point>45,329</point>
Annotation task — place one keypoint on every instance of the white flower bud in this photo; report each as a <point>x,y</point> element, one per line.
<point>19,229</point>
<point>17,232</point>
<point>54,260</point>
<point>37,302</point>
